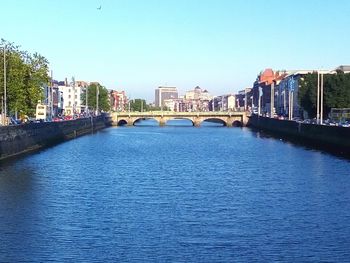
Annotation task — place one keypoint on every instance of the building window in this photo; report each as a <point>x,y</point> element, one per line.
<point>69,96</point>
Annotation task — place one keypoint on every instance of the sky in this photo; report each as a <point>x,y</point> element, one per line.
<point>138,45</point>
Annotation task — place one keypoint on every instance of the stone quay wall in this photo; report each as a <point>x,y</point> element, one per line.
<point>333,137</point>
<point>19,139</point>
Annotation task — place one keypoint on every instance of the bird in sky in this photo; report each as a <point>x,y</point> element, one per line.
<point>99,8</point>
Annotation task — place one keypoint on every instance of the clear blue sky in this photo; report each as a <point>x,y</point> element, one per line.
<point>137,45</point>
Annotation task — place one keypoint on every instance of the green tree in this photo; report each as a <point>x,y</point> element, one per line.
<point>139,105</point>
<point>26,74</point>
<point>103,98</point>
<point>307,93</point>
<point>336,92</point>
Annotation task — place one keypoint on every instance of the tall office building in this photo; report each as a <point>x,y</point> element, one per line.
<point>164,93</point>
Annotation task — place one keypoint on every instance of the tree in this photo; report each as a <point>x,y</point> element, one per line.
<point>307,93</point>
<point>26,74</point>
<point>336,92</point>
<point>103,98</point>
<point>139,105</point>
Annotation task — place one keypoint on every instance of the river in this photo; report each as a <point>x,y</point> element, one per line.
<point>175,194</point>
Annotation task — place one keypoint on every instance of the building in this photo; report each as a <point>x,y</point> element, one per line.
<point>262,95</point>
<point>286,93</point>
<point>57,99</point>
<point>119,100</point>
<point>164,93</point>
<point>243,100</point>
<point>197,99</point>
<point>72,93</point>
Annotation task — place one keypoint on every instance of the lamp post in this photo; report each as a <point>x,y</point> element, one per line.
<point>5,91</point>
<point>321,103</point>
<point>51,97</point>
<point>97,94</point>
<point>86,102</point>
<point>259,100</point>
<point>318,96</point>
<point>272,102</point>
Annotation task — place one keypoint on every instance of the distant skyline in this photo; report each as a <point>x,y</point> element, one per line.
<point>137,46</point>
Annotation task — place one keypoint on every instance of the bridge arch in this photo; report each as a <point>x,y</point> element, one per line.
<point>217,120</point>
<point>138,120</point>
<point>167,120</point>
<point>122,122</point>
<point>237,123</point>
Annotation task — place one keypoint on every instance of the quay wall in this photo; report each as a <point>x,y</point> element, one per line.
<point>333,137</point>
<point>19,139</point>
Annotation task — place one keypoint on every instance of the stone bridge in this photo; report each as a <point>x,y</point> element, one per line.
<point>226,118</point>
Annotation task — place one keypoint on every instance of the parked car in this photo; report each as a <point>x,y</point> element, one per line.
<point>55,119</point>
<point>297,119</point>
<point>14,121</point>
<point>344,124</point>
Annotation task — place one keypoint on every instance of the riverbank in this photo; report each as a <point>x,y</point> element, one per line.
<point>20,139</point>
<point>331,138</point>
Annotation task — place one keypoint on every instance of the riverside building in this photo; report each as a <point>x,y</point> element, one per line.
<point>164,93</point>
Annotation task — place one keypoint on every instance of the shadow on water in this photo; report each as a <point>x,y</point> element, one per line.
<point>19,208</point>
<point>307,145</point>
<point>146,123</point>
<point>177,123</point>
<point>16,177</point>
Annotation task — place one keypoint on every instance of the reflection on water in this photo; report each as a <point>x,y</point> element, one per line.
<point>177,194</point>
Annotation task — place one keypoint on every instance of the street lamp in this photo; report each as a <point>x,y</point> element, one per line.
<point>318,98</point>
<point>97,94</point>
<point>86,102</point>
<point>321,106</point>
<point>319,113</point>
<point>5,91</point>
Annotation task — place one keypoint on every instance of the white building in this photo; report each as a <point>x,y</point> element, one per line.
<point>231,102</point>
<point>164,93</point>
<point>198,94</point>
<point>72,93</point>
<point>170,104</point>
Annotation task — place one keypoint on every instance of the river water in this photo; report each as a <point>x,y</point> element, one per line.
<point>175,194</point>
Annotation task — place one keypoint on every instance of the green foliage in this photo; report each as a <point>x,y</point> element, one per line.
<point>26,74</point>
<point>103,99</point>
<point>336,92</point>
<point>139,105</point>
<point>307,93</point>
